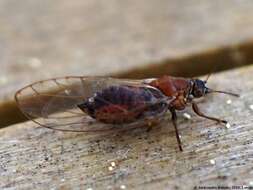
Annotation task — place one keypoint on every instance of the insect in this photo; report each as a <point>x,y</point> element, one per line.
<point>74,103</point>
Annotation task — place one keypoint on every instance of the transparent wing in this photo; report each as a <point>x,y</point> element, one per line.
<point>53,103</point>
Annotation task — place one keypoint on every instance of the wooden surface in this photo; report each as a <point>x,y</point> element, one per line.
<point>37,158</point>
<point>127,38</point>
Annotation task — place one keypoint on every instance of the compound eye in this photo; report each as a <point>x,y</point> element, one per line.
<point>199,93</point>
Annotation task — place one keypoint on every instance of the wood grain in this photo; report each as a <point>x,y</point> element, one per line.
<point>37,158</point>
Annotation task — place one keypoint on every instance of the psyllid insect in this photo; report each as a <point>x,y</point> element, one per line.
<point>73,103</point>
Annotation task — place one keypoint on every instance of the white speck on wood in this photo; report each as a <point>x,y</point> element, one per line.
<point>187,116</point>
<point>229,101</point>
<point>212,162</point>
<point>113,164</point>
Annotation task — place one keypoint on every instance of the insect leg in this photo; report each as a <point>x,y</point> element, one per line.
<point>198,112</point>
<point>174,121</point>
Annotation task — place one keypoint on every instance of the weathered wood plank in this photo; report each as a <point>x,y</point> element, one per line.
<point>37,158</point>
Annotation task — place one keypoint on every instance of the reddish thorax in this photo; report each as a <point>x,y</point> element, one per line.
<point>174,87</point>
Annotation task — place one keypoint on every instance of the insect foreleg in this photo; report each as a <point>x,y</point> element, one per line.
<point>199,113</point>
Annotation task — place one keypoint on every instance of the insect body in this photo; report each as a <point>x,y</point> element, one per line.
<point>70,103</point>
<point>124,104</point>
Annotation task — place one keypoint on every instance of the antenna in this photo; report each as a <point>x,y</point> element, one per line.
<point>223,92</point>
<point>208,77</point>
<point>210,73</point>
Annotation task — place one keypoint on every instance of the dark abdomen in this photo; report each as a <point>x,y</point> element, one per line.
<point>124,104</point>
